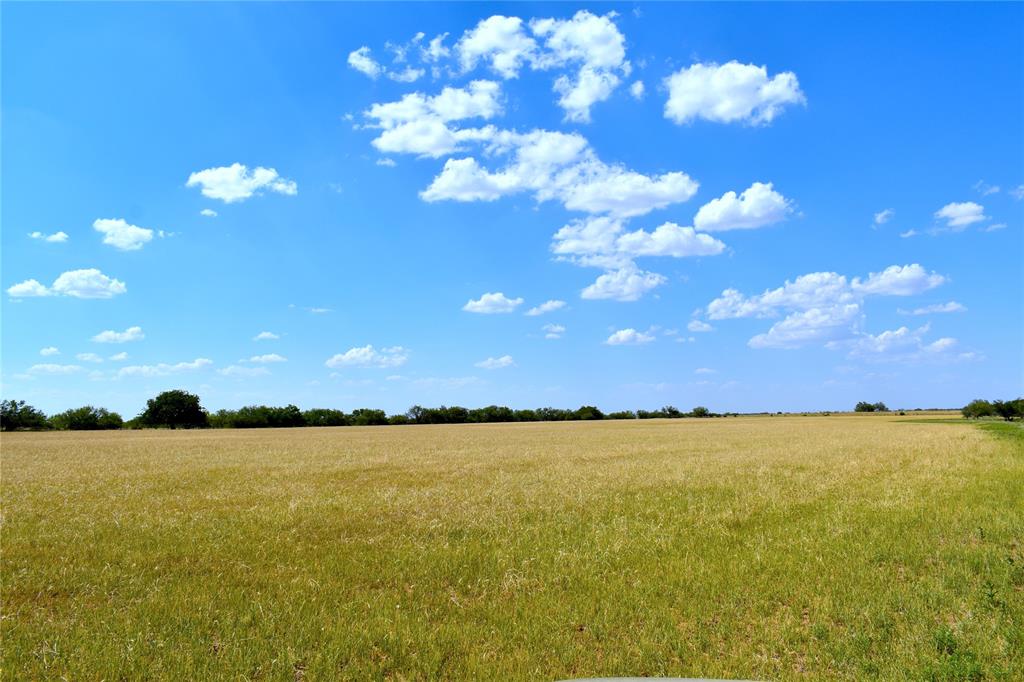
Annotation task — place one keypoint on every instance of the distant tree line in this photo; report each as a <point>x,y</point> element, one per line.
<point>870,407</point>
<point>1006,409</point>
<point>181,410</point>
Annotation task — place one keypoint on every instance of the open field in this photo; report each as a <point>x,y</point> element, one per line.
<point>848,547</point>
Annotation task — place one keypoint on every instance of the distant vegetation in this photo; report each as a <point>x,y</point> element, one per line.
<point>182,410</point>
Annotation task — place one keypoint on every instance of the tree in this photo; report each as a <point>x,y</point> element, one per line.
<point>86,418</point>
<point>174,409</point>
<point>700,412</point>
<point>863,406</point>
<point>15,415</point>
<point>1007,409</point>
<point>588,412</point>
<point>880,407</point>
<point>977,408</point>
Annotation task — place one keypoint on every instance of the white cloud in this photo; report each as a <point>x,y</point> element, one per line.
<point>121,235</point>
<point>406,75</point>
<point>553,331</point>
<point>163,368</point>
<point>884,216</point>
<point>1017,192</point>
<point>995,227</point>
<point>208,212</point>
<point>909,233</point>
<point>30,288</point>
<point>362,61</point>
<point>898,280</point>
<point>435,49</point>
<point>730,92</point>
<point>668,239</point>
<point>237,183</point>
<point>88,283</point>
<point>596,45</point>
<point>951,307</point>
<point>499,41</point>
<point>88,357</point>
<point>960,215</point>
<point>546,307</point>
<point>491,303</point>
<point>630,336</point>
<point>496,363</point>
<point>49,350</point>
<point>986,189</point>
<point>902,344</point>
<point>815,324</point>
<point>111,336</point>
<point>600,188</point>
<point>704,370</point>
<point>55,238</point>
<point>699,326</point>
<point>757,206</point>
<point>820,306</point>
<point>241,371</point>
<point>368,356</point>
<point>624,284</point>
<point>637,90</point>
<point>119,357</point>
<point>266,336</point>
<point>387,163</point>
<point>49,368</point>
<point>269,357</point>
<point>418,123</point>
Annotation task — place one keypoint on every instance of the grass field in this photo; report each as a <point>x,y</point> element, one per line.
<point>844,547</point>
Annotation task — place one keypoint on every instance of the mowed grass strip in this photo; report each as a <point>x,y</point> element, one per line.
<point>762,548</point>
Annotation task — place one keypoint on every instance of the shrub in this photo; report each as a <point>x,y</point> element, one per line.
<point>174,409</point>
<point>16,415</point>
<point>86,418</point>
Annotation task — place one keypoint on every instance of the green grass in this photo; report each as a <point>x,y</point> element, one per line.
<point>845,547</point>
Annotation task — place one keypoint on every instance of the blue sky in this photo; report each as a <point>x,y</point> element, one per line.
<point>800,207</point>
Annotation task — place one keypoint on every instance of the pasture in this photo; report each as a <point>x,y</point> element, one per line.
<point>843,547</point>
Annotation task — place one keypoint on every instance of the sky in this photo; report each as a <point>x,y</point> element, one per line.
<point>751,207</point>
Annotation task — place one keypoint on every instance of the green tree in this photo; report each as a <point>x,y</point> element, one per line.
<point>16,414</point>
<point>977,408</point>
<point>700,412</point>
<point>864,406</point>
<point>1007,409</point>
<point>174,409</point>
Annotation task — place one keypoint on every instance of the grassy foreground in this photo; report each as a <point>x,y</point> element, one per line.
<point>766,548</point>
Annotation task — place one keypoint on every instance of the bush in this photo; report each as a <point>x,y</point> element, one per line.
<point>15,415</point>
<point>325,417</point>
<point>977,408</point>
<point>86,418</point>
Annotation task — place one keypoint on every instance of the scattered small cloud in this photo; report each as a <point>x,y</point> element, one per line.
<point>699,326</point>
<point>269,357</point>
<point>985,189</point>
<point>121,235</point>
<point>496,363</point>
<point>553,331</point>
<point>87,283</point>
<point>884,216</point>
<point>237,183</point>
<point>208,212</point>
<point>88,357</point>
<point>49,351</point>
<point>389,163</point>
<point>119,357</point>
<point>951,307</point>
<point>368,356</point>
<point>629,337</point>
<point>111,336</point>
<point>266,336</point>
<point>704,370</point>
<point>239,371</point>
<point>637,90</point>
<point>959,215</point>
<point>546,307</point>
<point>55,238</point>
<point>492,303</point>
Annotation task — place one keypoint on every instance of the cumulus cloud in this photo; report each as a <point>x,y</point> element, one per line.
<point>959,215</point>
<point>88,357</point>
<point>268,358</point>
<point>553,331</point>
<point>903,345</point>
<point>728,93</point>
<point>236,182</point>
<point>208,212</point>
<point>266,336</point>
<point>498,41</point>
<point>111,336</point>
<point>986,189</point>
<point>699,326</point>
<point>121,235</point>
<point>1017,192</point>
<point>368,356</point>
<point>546,307</point>
<point>624,284</point>
<point>163,369</point>
<point>757,206</point>
<point>637,90</point>
<point>819,306</point>
<point>937,308</point>
<point>630,336</point>
<point>55,238</point>
<point>87,283</point>
<point>119,357</point>
<point>491,303</point>
<point>496,363</point>
<point>362,61</point>
<point>49,350</point>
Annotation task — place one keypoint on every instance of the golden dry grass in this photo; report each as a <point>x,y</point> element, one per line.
<point>770,548</point>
